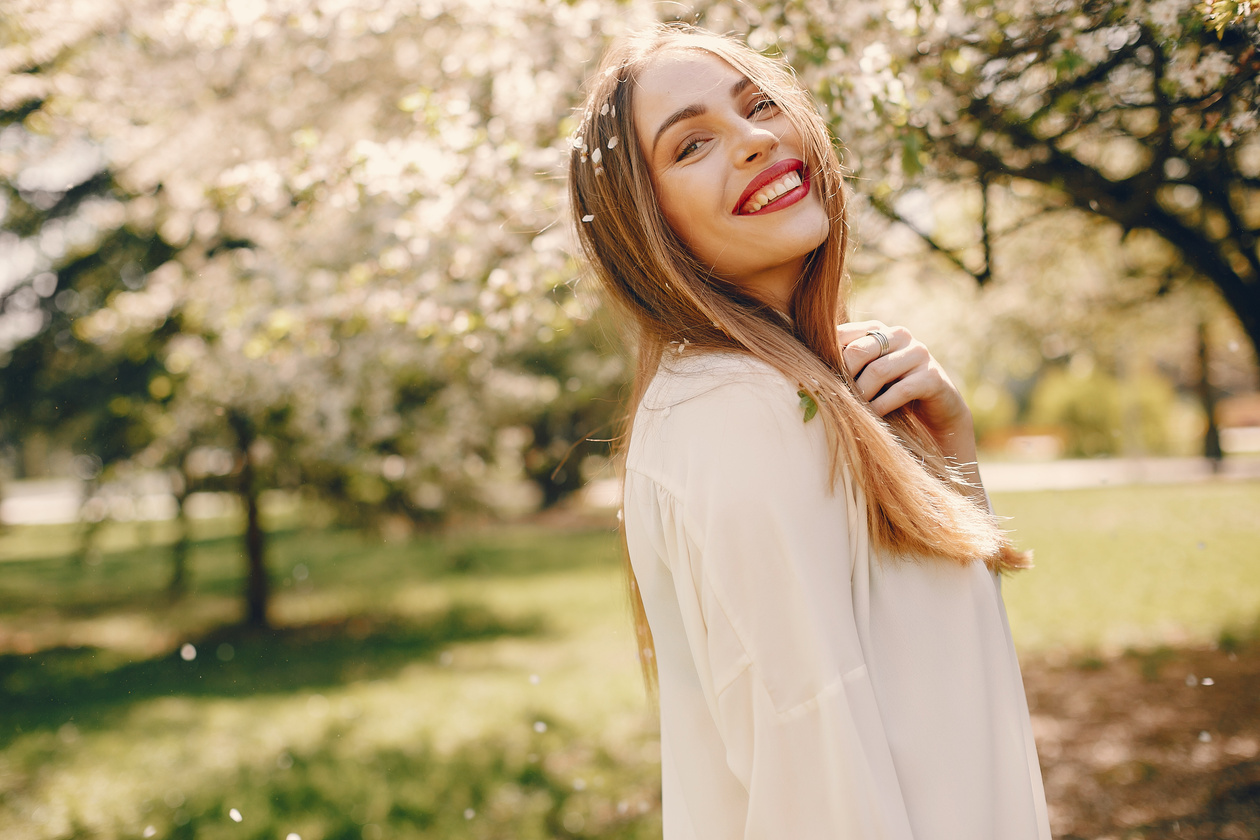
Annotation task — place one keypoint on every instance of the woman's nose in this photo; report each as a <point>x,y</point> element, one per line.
<point>755,144</point>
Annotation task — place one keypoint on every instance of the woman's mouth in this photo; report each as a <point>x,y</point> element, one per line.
<point>783,184</point>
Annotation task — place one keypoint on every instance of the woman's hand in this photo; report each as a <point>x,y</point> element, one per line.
<point>906,374</point>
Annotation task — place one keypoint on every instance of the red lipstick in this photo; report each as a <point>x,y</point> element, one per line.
<point>768,176</point>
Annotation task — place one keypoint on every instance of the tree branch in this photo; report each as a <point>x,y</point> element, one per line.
<point>889,212</point>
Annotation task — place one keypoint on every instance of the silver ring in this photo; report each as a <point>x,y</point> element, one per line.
<point>883,342</point>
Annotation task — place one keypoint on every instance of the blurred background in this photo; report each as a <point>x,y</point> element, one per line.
<point>307,509</point>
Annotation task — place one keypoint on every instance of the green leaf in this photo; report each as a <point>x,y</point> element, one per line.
<point>807,403</point>
<point>911,164</point>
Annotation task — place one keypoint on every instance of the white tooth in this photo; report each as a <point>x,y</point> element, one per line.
<point>761,197</point>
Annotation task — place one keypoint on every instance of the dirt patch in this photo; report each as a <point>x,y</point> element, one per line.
<point>1153,745</point>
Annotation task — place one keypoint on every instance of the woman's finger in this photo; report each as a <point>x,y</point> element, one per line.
<point>878,373</point>
<point>856,329</point>
<point>919,385</point>
<point>859,348</point>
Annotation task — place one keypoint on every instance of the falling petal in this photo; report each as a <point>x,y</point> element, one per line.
<point>1205,737</point>
<point>534,679</point>
<point>614,110</point>
<point>292,835</point>
<point>597,156</point>
<point>469,813</point>
<point>235,815</point>
<point>1208,681</point>
<point>604,111</point>
<point>588,218</point>
<point>149,831</point>
<point>540,727</point>
<point>612,143</point>
<point>188,653</point>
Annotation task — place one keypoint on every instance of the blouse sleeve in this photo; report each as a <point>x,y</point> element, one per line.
<point>761,543</point>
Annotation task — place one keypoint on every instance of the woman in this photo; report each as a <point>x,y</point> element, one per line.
<point>809,542</point>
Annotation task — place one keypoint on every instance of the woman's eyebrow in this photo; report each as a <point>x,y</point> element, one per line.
<point>677,117</point>
<point>690,111</point>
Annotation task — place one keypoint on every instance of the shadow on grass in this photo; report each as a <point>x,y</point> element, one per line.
<point>90,685</point>
<point>1158,744</point>
<point>135,579</point>
<point>553,784</point>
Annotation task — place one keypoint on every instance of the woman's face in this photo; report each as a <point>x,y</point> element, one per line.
<point>728,171</point>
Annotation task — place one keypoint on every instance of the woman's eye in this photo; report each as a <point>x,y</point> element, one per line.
<point>688,149</point>
<point>763,107</point>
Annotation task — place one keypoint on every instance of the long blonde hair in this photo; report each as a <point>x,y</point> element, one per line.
<point>916,500</point>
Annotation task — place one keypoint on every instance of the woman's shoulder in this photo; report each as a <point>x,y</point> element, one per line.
<point>720,409</point>
<point>712,377</point>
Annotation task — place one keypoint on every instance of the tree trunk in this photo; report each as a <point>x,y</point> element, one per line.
<point>257,587</point>
<point>1207,398</point>
<point>88,553</point>
<point>178,585</point>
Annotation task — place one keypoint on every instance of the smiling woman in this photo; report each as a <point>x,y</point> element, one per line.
<point>727,155</point>
<point>811,556</point>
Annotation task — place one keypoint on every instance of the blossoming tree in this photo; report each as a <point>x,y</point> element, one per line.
<point>357,210</point>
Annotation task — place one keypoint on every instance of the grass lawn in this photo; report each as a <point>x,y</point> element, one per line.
<point>476,685</point>
<point>1135,566</point>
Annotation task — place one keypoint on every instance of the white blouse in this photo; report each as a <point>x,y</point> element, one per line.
<point>810,688</point>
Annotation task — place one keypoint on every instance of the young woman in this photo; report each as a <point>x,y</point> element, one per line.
<point>810,545</point>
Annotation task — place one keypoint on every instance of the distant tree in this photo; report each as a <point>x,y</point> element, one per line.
<point>334,234</point>
<point>1143,114</point>
<point>70,251</point>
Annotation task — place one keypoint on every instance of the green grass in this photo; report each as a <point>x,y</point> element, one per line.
<point>1135,566</point>
<point>477,685</point>
<point>408,682</point>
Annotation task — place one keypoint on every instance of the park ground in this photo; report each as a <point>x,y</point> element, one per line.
<point>482,683</point>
